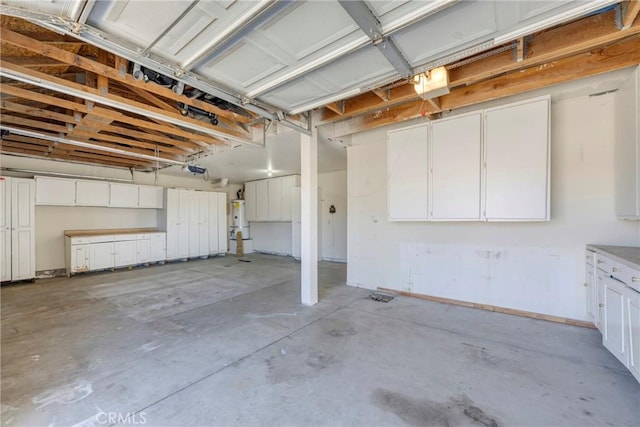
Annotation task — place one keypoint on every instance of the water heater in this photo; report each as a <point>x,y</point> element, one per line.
<point>238,220</point>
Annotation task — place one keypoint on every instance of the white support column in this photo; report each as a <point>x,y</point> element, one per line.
<point>309,218</point>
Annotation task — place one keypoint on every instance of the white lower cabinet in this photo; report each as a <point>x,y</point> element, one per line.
<point>158,248</point>
<point>101,256</point>
<point>80,256</point>
<point>143,251</point>
<point>617,309</point>
<point>613,331</point>
<point>103,252</point>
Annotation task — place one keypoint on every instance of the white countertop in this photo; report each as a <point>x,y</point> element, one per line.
<point>628,255</point>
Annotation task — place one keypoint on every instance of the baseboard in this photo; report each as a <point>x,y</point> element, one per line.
<point>340,260</point>
<point>495,308</point>
<point>48,274</point>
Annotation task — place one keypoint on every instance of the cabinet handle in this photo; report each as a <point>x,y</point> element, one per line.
<point>635,279</point>
<point>601,305</point>
<point>600,261</point>
<point>586,285</point>
<point>614,269</point>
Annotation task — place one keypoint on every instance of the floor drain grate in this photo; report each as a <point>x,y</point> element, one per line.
<point>377,296</point>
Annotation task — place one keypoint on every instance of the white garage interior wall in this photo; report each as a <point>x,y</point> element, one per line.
<point>537,267</point>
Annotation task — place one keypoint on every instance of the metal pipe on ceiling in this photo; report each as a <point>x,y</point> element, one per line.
<point>67,175</point>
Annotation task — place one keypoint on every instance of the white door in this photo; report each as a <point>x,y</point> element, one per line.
<point>124,253</point>
<point>23,262</point>
<point>55,191</point>
<point>408,173</point>
<point>123,195</point>
<point>633,331</point>
<point>599,308</point>
<point>147,196</point>
<point>80,258</point>
<point>613,336</point>
<point>158,249</point>
<point>222,223</point>
<point>213,224</point>
<point>274,189</point>
<point>101,256</point>
<point>455,168</point>
<point>296,223</point>
<point>517,161</point>
<point>143,251</point>
<point>193,224</point>
<point>262,200</point>
<point>250,200</point>
<point>5,229</point>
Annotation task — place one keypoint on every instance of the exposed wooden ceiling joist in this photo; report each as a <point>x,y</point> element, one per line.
<point>613,57</point>
<point>547,46</point>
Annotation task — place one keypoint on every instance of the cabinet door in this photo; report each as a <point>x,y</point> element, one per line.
<point>184,206</point>
<point>222,223</point>
<point>203,223</point>
<point>250,200</point>
<point>275,199</point>
<point>101,256</point>
<point>613,337</point>
<point>55,191</point>
<point>296,223</point>
<point>455,168</point>
<point>124,253</point>
<point>408,173</point>
<point>194,226</point>
<point>92,193</point>
<point>80,258</point>
<point>517,161</point>
<point>173,217</point>
<point>23,251</point>
<point>591,293</point>
<point>633,331</point>
<point>5,229</point>
<point>262,200</point>
<point>158,249</point>
<point>148,196</point>
<point>123,196</point>
<point>213,224</point>
<point>599,308</point>
<point>143,251</point>
<point>288,184</point>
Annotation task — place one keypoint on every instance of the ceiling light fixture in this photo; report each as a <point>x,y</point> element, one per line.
<point>432,83</point>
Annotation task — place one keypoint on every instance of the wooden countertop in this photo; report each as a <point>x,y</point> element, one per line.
<point>628,255</point>
<point>107,231</point>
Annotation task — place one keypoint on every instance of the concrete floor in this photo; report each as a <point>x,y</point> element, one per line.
<point>223,342</point>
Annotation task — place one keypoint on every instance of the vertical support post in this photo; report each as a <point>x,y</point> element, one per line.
<point>309,217</point>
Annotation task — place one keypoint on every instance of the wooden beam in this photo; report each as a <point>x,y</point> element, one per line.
<point>33,124</point>
<point>633,8</point>
<point>197,138</point>
<point>110,97</point>
<point>550,45</point>
<point>382,94</point>
<point>44,49</point>
<point>34,61</point>
<point>53,147</point>
<point>336,108</point>
<point>185,146</point>
<point>611,58</point>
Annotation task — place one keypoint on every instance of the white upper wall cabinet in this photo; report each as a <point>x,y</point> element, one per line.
<point>288,184</point>
<point>150,197</point>
<point>92,193</point>
<point>516,147</point>
<point>55,191</point>
<point>275,199</point>
<point>250,200</point>
<point>262,200</point>
<point>123,196</point>
<point>456,146</point>
<point>627,151</point>
<point>408,173</point>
